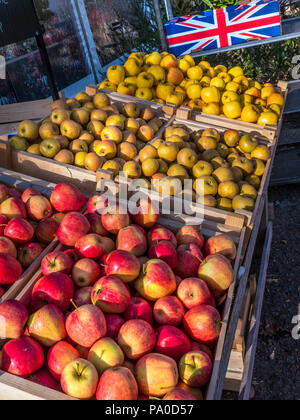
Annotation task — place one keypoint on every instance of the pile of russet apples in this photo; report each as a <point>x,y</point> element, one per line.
<point>161,77</point>
<point>90,132</point>
<point>126,310</point>
<point>226,168</point>
<point>28,223</point>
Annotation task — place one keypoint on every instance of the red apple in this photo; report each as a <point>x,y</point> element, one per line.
<point>114,219</point>
<point>79,379</point>
<point>83,351</point>
<point>168,311</point>
<point>55,288</point>
<point>19,231</point>
<point>22,356</point>
<point>203,324</point>
<point>103,264</point>
<point>178,394</point>
<point>67,197</point>
<point>132,239</point>
<point>189,259</point>
<point>83,296</point>
<point>73,254</point>
<point>56,262</point>
<point>86,325</point>
<point>10,269</point>
<point>46,230</point>
<point>202,347</point>
<point>190,235</point>
<point>96,224</point>
<point>12,208</point>
<point>164,250</point>
<point>13,192</point>
<point>221,244</point>
<point>139,308</point>
<point>38,208</point>
<point>159,233</point>
<point>217,272</point>
<point>86,272</point>
<point>7,247</point>
<point>59,356</point>
<point>123,265</point>
<point>193,292</point>
<point>195,369</point>
<point>3,224</point>
<point>156,281</point>
<point>111,295</point>
<point>43,378</point>
<point>146,214</point>
<point>72,228</point>
<point>172,342</point>
<point>90,246</point>
<point>13,318</point>
<point>97,204</point>
<point>109,245</point>
<point>2,293</point>
<point>117,384</point>
<point>136,338</point>
<point>28,193</point>
<point>27,254</point>
<point>4,193</point>
<point>114,323</point>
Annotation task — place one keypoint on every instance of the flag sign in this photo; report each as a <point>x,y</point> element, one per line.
<point>221,28</point>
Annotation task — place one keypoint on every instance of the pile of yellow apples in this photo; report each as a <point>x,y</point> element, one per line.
<point>91,133</point>
<point>162,78</point>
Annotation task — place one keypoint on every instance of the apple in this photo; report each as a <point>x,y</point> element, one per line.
<point>216,270</point>
<point>83,296</point>
<point>189,259</point>
<point>114,219</point>
<point>168,311</point>
<point>105,354</point>
<point>7,247</point>
<point>111,295</point>
<point>202,347</point>
<point>79,379</point>
<point>195,369</point>
<point>156,281</point>
<point>86,325</point>
<point>27,254</point>
<point>203,324</point>
<point>117,384</point>
<point>114,323</point>
<point>139,308</point>
<point>96,204</point>
<point>86,272</point>
<point>190,235</point>
<point>165,251</point>
<point>136,338</point>
<point>22,356</point>
<point>46,230</point>
<point>193,292</point>
<point>10,269</point>
<point>159,233</point>
<point>20,231</point>
<point>13,316</point>
<point>28,193</point>
<point>55,288</point>
<point>123,265</point>
<point>43,378</point>
<point>132,239</point>
<point>90,246</point>
<point>38,208</point>
<point>13,192</point>
<point>72,228</point>
<point>4,193</point>
<point>67,197</point>
<point>56,262</point>
<point>109,245</point>
<point>177,394</point>
<point>221,244</point>
<point>2,293</point>
<point>12,208</point>
<point>3,223</point>
<point>96,224</point>
<point>146,214</point>
<point>59,356</point>
<point>172,342</point>
<point>156,374</point>
<point>47,325</point>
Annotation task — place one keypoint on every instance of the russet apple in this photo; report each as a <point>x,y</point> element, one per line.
<point>72,228</point>
<point>14,316</point>
<point>70,129</point>
<point>28,253</point>
<point>56,262</point>
<point>243,203</point>
<point>228,189</point>
<point>65,156</point>
<point>48,130</point>
<point>139,308</point>
<point>29,130</point>
<point>195,369</point>
<point>111,295</point>
<point>132,239</point>
<point>105,354</point>
<point>79,379</point>
<point>117,383</point>
<point>193,292</point>
<point>136,338</point>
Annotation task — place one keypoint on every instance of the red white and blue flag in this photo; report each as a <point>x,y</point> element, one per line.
<point>220,28</point>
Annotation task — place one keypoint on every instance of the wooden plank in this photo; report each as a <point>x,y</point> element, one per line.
<point>33,110</point>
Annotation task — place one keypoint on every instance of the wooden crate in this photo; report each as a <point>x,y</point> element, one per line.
<point>9,383</point>
<point>20,182</point>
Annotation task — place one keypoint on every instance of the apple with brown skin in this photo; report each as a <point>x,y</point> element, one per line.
<point>22,357</point>
<point>178,394</point>
<point>172,342</point>
<point>216,270</point>
<point>4,193</point>
<point>96,224</point>
<point>168,311</point>
<point>56,262</point>
<point>12,208</point>
<point>79,379</point>
<point>83,296</point>
<point>28,193</point>
<point>132,239</point>
<point>105,354</point>
<point>72,228</point>
<point>114,219</point>
<point>195,369</point>
<point>111,295</point>
<point>86,325</point>
<point>14,316</point>
<point>43,378</point>
<point>136,338</point>
<point>139,308</point>
<point>117,384</point>
<point>189,259</point>
<point>10,269</point>
<point>20,231</point>
<point>85,272</point>
<point>160,233</point>
<point>90,246</point>
<point>27,254</point>
<point>123,265</point>
<point>165,251</point>
<point>38,208</point>
<point>190,235</point>
<point>67,197</point>
<point>221,244</point>
<point>55,288</point>
<point>3,223</point>
<point>59,356</point>
<point>7,247</point>
<point>203,324</point>
<point>46,230</point>
<point>193,292</point>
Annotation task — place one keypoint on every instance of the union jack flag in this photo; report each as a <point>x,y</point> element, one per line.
<point>220,28</point>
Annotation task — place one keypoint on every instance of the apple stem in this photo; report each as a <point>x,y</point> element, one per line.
<point>73,303</point>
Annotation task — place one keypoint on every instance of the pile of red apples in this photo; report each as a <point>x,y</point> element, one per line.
<point>125,309</point>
